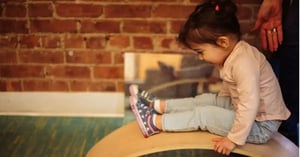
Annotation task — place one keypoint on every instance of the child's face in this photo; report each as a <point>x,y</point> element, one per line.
<point>210,53</point>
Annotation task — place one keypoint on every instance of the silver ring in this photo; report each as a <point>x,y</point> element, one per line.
<point>274,30</point>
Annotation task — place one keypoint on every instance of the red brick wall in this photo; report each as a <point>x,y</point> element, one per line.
<point>78,45</point>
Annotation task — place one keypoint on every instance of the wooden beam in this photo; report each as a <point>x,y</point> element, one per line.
<point>128,141</point>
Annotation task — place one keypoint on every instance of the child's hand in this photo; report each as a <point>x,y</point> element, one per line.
<point>223,145</point>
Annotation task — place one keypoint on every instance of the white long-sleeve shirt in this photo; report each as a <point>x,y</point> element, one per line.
<point>249,80</point>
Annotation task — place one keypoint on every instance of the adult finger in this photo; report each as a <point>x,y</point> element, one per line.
<point>263,37</point>
<point>270,40</point>
<point>274,45</point>
<point>278,25</point>
<point>279,34</point>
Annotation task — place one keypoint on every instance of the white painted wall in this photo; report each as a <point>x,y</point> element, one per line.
<point>77,104</point>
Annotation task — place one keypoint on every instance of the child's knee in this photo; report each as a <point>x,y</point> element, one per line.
<point>206,99</point>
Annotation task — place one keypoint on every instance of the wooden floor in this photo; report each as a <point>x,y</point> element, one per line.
<point>22,136</point>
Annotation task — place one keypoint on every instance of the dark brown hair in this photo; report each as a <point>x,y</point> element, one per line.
<point>209,21</point>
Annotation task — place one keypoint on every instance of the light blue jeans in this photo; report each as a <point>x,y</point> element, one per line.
<point>211,113</point>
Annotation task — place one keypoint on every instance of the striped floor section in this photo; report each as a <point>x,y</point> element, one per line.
<point>25,136</point>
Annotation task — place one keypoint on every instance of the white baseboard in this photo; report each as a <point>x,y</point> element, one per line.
<point>75,104</point>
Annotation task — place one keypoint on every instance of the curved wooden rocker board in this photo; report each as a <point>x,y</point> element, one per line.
<point>128,141</point>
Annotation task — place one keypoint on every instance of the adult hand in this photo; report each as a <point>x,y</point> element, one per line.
<point>269,21</point>
<point>223,145</point>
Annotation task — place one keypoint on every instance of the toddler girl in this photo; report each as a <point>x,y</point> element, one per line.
<point>248,108</point>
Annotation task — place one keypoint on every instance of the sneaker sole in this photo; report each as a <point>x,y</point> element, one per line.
<point>138,117</point>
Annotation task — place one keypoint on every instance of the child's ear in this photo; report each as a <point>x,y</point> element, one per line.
<point>223,41</point>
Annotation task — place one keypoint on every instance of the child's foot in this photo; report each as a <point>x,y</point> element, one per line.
<point>144,116</point>
<point>142,95</point>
